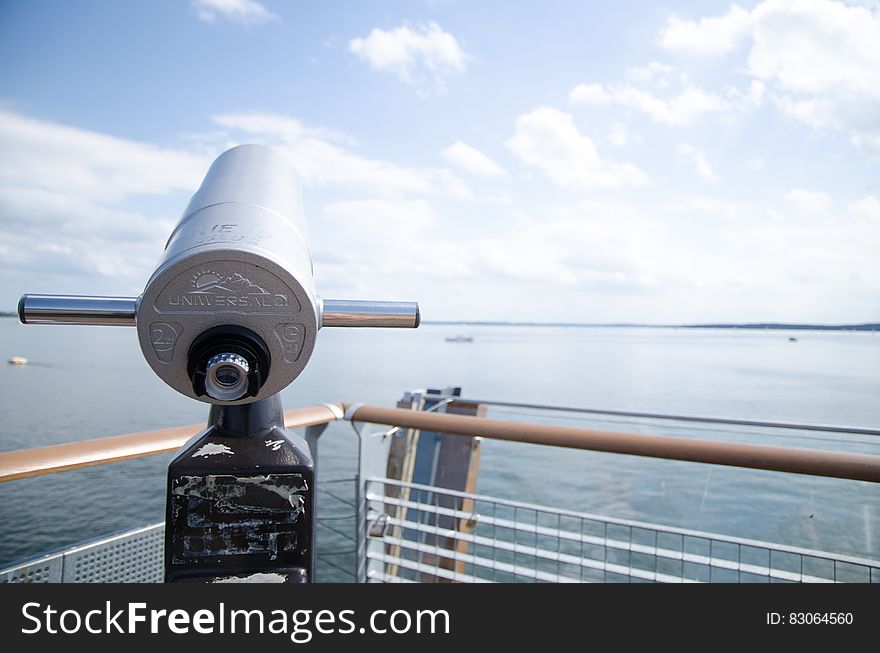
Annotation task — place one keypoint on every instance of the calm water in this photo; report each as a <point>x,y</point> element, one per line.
<point>91,382</point>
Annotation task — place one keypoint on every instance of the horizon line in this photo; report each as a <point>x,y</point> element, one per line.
<point>694,325</point>
<point>863,326</point>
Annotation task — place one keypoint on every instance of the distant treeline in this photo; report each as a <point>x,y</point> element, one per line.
<point>872,326</point>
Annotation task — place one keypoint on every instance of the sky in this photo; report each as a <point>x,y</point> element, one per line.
<point>651,162</point>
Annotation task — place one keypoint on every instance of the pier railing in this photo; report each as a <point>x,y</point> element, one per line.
<point>86,453</point>
<point>386,529</point>
<point>515,541</point>
<point>101,451</point>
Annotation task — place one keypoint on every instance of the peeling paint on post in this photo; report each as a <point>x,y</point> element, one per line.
<point>245,511</point>
<point>239,515</point>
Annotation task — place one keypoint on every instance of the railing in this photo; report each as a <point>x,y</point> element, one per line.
<point>701,419</point>
<point>87,453</point>
<point>862,467</point>
<point>517,541</point>
<point>396,536</point>
<point>101,451</point>
<point>133,556</point>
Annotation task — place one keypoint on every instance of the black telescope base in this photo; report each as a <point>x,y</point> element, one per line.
<point>240,501</point>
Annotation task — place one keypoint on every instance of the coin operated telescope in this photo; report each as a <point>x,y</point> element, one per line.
<point>230,317</point>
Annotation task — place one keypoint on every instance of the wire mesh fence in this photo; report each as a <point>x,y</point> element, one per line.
<point>421,533</point>
<point>336,536</point>
<point>136,556</point>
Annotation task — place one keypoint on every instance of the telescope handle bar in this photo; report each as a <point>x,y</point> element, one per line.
<point>120,311</point>
<point>365,313</point>
<point>77,309</point>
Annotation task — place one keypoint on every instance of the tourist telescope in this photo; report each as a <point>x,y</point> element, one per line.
<point>230,317</point>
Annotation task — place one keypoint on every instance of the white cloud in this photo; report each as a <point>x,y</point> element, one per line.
<point>701,166</point>
<point>64,196</point>
<point>396,214</point>
<point>395,230</point>
<point>816,46</point>
<point>867,207</point>
<point>394,247</point>
<point>809,202</point>
<point>617,135</point>
<point>654,72</point>
<point>471,160</point>
<point>687,259</point>
<point>681,109</point>
<point>819,58</point>
<point>756,92</point>
<point>243,12</point>
<point>590,94</point>
<point>574,251</point>
<point>756,163</point>
<point>549,140</point>
<point>568,251</point>
<point>96,166</point>
<point>423,56</point>
<point>71,220</point>
<point>67,222</point>
<point>321,160</point>
<point>707,36</point>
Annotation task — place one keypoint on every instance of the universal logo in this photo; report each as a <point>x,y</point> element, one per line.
<point>213,290</point>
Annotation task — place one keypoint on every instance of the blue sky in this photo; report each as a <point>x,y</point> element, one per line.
<point>564,161</point>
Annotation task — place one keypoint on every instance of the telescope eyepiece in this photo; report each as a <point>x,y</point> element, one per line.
<point>226,377</point>
<point>228,363</point>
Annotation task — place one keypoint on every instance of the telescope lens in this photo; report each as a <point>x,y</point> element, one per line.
<point>227,363</point>
<point>226,377</point>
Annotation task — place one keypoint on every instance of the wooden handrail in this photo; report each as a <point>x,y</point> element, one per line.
<point>87,453</point>
<point>861,467</point>
<point>100,451</point>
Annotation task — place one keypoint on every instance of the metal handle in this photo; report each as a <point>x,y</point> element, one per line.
<point>120,311</point>
<point>77,309</point>
<point>361,313</point>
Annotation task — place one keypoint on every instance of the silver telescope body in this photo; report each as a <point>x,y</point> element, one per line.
<point>230,314</point>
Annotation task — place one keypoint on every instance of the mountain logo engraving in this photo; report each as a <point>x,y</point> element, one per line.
<point>210,289</point>
<point>212,282</point>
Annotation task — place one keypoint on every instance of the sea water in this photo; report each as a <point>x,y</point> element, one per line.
<point>85,382</point>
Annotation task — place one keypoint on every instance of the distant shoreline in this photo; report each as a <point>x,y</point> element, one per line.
<point>868,326</point>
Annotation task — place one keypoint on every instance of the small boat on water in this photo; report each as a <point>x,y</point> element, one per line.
<point>459,338</point>
<point>792,339</point>
<point>18,360</point>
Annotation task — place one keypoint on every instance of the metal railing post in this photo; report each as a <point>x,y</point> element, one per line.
<point>313,433</point>
<point>373,451</point>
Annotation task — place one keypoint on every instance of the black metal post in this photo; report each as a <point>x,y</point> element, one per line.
<point>240,502</point>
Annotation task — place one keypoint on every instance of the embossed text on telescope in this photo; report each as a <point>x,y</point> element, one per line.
<point>217,288</point>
